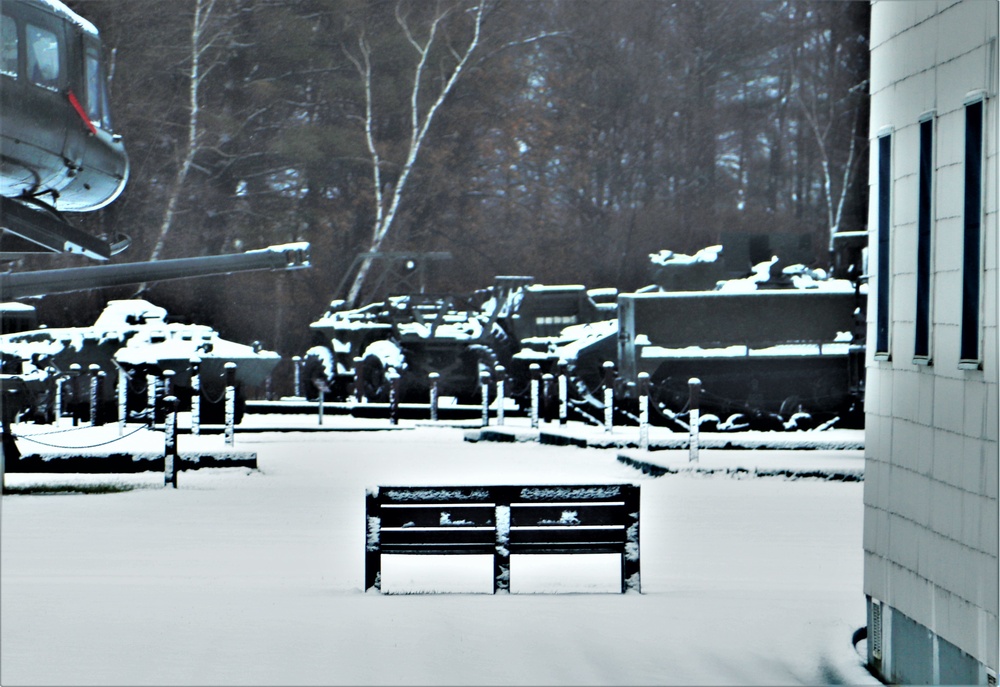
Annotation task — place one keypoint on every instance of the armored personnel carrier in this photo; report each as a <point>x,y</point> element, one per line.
<point>456,336</point>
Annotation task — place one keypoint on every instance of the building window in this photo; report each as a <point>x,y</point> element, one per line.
<point>921,346</point>
<point>882,267</point>
<point>969,352</point>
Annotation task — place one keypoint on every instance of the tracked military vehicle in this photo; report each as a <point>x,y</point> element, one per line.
<point>131,338</point>
<point>784,342</point>
<point>456,336</point>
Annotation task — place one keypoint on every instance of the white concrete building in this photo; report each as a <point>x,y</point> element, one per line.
<point>932,457</point>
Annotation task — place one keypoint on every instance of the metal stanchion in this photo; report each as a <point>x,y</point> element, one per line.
<point>195,396</point>
<point>97,376</point>
<point>500,372</point>
<point>230,403</point>
<point>150,399</point>
<point>434,377</point>
<point>297,367</point>
<point>395,380</point>
<point>484,384</point>
<point>536,373</point>
<point>320,399</point>
<point>170,442</point>
<point>359,384</point>
<point>58,401</point>
<point>75,370</point>
<point>694,389</point>
<point>609,395</point>
<point>122,391</point>
<point>563,393</point>
<point>644,410</point>
<point>168,380</point>
<point>547,382</point>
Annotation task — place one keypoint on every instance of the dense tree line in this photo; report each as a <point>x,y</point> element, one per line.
<point>564,139</point>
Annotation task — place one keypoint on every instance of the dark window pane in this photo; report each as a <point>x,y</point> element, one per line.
<point>973,210</point>
<point>8,46</point>
<point>43,56</point>
<point>921,347</point>
<point>884,221</point>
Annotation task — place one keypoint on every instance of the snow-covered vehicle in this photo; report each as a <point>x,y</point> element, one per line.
<point>135,339</point>
<point>783,347</point>
<point>768,354</point>
<point>34,359</point>
<point>457,337</point>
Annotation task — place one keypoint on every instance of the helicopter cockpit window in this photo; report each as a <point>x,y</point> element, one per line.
<point>97,95</point>
<point>43,56</point>
<point>8,46</point>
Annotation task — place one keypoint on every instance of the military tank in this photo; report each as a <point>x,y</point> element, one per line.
<point>131,338</point>
<point>134,340</point>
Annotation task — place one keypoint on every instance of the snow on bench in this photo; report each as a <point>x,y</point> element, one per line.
<point>504,520</point>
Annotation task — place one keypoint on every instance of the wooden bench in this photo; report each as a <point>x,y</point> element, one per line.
<point>504,520</point>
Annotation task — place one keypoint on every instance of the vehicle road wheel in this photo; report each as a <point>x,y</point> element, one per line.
<point>317,371</point>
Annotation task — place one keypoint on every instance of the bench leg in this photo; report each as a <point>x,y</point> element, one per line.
<point>373,547</point>
<point>501,554</point>
<point>630,557</point>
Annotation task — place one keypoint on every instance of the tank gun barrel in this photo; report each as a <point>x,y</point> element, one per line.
<point>18,285</point>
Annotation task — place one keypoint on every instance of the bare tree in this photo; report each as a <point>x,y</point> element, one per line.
<point>389,195</point>
<point>201,42</point>
<point>828,88</point>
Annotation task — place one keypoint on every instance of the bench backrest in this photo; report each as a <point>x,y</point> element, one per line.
<point>501,520</point>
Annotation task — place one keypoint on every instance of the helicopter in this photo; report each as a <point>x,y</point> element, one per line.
<point>58,150</point>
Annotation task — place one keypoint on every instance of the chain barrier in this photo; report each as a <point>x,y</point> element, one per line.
<point>103,443</point>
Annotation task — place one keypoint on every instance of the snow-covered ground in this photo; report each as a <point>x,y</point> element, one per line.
<point>255,577</point>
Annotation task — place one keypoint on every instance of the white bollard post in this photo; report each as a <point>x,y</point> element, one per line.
<point>395,392</point>
<point>548,380</point>
<point>58,402</point>
<point>434,377</point>
<point>95,372</point>
<point>359,383</point>
<point>168,383</point>
<point>150,399</point>
<point>297,366</point>
<point>75,370</point>
<point>563,393</point>
<point>195,396</point>
<point>500,371</point>
<point>644,410</point>
<point>122,400</point>
<point>484,383</point>
<point>694,388</point>
<point>170,442</point>
<point>230,403</point>
<point>609,395</point>
<point>536,373</point>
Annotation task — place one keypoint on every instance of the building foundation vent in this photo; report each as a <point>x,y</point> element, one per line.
<point>875,636</point>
